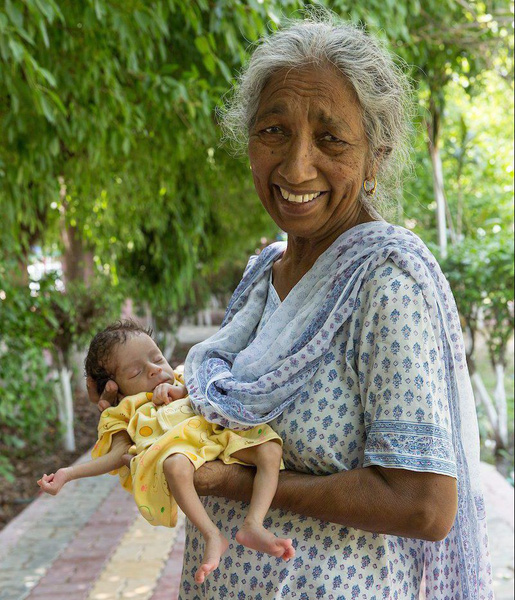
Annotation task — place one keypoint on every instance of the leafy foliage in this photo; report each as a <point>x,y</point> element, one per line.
<point>27,400</point>
<point>481,274</point>
<point>116,100</point>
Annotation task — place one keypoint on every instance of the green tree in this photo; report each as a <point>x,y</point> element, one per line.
<point>481,273</point>
<point>450,41</point>
<point>110,137</point>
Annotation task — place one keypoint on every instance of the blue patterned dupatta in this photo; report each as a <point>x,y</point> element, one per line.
<point>242,376</point>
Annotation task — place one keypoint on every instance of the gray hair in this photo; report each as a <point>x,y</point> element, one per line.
<point>382,88</point>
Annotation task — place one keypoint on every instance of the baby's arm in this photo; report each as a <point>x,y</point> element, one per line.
<point>52,484</point>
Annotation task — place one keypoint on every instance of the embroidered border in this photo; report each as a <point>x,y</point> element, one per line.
<point>414,446</point>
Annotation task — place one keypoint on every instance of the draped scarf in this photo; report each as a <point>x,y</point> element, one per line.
<point>245,375</point>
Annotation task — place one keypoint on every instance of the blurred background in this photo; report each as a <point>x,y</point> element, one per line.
<point>118,198</point>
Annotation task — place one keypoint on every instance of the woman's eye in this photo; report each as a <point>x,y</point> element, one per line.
<point>273,129</point>
<point>332,139</point>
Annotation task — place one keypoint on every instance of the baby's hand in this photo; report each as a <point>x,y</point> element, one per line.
<point>52,484</point>
<point>163,394</point>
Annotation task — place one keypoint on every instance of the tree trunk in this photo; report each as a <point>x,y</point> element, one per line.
<point>433,127</point>
<point>501,404</point>
<point>76,261</point>
<point>63,390</point>
<point>483,396</point>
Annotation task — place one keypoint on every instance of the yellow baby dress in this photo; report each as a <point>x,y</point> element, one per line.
<point>158,433</point>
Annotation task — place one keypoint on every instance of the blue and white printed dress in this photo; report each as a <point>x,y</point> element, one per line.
<point>379,398</point>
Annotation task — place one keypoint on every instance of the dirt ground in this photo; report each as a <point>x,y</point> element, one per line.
<point>29,465</point>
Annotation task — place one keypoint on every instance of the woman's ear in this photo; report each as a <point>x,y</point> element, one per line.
<point>378,156</point>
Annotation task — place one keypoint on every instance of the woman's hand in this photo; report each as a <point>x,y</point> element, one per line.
<point>214,477</point>
<point>109,397</point>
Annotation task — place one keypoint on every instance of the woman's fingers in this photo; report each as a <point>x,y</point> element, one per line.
<point>126,458</point>
<point>209,477</point>
<point>109,396</point>
<point>91,386</point>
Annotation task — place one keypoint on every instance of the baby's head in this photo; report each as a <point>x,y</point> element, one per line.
<point>126,353</point>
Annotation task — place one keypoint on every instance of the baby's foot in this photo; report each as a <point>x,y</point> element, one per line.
<point>258,538</point>
<point>216,545</point>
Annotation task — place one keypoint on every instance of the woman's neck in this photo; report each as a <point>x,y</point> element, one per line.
<point>301,254</point>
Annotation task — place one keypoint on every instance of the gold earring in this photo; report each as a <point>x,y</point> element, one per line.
<point>370,191</point>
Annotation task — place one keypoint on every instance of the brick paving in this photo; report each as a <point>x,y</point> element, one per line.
<point>81,561</point>
<point>33,541</point>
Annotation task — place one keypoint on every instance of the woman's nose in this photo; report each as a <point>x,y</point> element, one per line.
<point>298,165</point>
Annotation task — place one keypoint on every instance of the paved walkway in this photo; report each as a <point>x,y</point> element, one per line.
<point>90,543</point>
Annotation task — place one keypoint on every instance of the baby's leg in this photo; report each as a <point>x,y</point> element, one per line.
<point>267,459</point>
<point>179,475</point>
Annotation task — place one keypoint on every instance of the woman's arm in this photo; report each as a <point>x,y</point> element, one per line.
<point>391,501</point>
<point>52,484</point>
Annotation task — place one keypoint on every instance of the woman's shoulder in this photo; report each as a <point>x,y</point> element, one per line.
<point>387,275</point>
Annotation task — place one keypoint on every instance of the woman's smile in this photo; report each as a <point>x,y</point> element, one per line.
<point>298,203</point>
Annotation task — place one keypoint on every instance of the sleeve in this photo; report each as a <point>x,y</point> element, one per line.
<point>401,369</point>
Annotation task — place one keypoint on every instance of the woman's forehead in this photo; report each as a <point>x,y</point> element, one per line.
<point>325,91</point>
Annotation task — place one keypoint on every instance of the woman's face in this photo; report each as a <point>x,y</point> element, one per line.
<point>308,142</point>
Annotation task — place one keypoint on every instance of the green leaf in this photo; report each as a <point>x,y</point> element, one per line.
<point>57,101</point>
<point>44,34</point>
<point>100,9</point>
<point>202,44</point>
<point>17,49</point>
<point>48,76</point>
<point>47,109</point>
<point>14,14</point>
<point>225,70</point>
<point>126,146</point>
<point>54,146</point>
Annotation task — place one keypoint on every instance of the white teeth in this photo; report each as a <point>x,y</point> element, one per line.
<point>298,199</point>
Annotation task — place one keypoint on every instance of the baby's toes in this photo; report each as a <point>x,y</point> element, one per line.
<point>288,551</point>
<point>202,572</point>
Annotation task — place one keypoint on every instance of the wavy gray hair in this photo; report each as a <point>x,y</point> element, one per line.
<point>382,88</point>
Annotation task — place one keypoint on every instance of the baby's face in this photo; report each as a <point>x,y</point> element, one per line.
<point>139,366</point>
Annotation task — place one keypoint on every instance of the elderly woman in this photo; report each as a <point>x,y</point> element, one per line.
<point>346,341</point>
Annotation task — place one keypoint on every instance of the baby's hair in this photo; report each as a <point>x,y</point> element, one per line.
<point>102,346</point>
